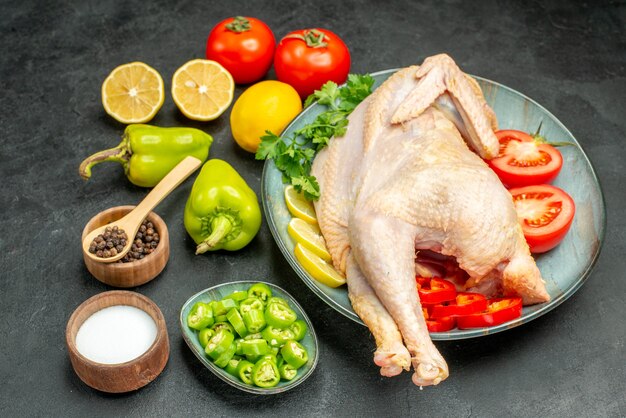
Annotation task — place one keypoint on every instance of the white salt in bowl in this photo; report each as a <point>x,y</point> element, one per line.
<point>129,375</point>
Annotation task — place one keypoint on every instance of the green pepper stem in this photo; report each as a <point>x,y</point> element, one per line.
<point>220,227</point>
<point>120,154</point>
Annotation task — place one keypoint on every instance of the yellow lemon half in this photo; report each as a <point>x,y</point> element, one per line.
<point>266,106</point>
<point>309,236</point>
<point>319,269</point>
<point>202,89</point>
<point>133,93</point>
<point>298,206</point>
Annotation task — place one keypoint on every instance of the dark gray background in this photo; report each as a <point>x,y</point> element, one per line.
<point>568,56</point>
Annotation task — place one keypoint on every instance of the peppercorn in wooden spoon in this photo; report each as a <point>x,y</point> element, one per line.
<point>130,223</point>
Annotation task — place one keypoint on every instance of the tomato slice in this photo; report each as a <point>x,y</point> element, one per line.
<point>499,311</point>
<point>465,303</point>
<point>435,290</point>
<point>545,213</point>
<point>439,324</point>
<point>524,160</point>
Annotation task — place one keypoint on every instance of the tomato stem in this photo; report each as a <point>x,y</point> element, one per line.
<point>540,139</point>
<point>313,38</point>
<point>239,24</point>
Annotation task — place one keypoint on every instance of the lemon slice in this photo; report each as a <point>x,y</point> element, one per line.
<point>319,269</point>
<point>202,89</point>
<point>133,93</point>
<point>298,206</point>
<point>309,236</point>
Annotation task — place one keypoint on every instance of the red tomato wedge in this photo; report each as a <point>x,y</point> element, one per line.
<point>545,213</point>
<point>435,290</point>
<point>525,160</point>
<point>499,311</point>
<point>439,324</point>
<point>465,303</point>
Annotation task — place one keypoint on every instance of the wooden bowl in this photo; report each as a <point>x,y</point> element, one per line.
<point>134,273</point>
<point>122,377</point>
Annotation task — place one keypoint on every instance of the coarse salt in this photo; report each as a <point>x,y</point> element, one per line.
<point>116,334</point>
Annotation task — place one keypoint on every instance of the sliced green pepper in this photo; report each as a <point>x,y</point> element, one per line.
<point>148,153</point>
<point>244,371</point>
<point>223,306</point>
<point>276,337</point>
<point>254,336</point>
<point>261,291</point>
<point>279,316</point>
<point>231,367</point>
<point>279,360</point>
<point>269,356</point>
<point>250,303</point>
<point>294,353</point>
<point>219,344</point>
<point>238,295</point>
<point>222,211</point>
<point>223,325</point>
<point>276,299</point>
<point>235,319</point>
<point>287,371</point>
<point>299,329</point>
<point>254,320</point>
<point>254,347</point>
<point>221,318</point>
<point>226,356</point>
<point>265,374</point>
<point>205,335</point>
<point>200,316</point>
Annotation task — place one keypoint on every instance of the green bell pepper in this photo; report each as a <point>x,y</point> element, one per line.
<point>222,211</point>
<point>148,152</point>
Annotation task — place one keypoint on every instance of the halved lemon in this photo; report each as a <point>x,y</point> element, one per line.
<point>202,89</point>
<point>319,269</point>
<point>298,206</point>
<point>309,236</point>
<point>133,93</point>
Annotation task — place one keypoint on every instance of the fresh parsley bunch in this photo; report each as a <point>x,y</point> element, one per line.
<point>294,155</point>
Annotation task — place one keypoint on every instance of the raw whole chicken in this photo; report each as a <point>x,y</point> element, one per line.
<point>404,179</point>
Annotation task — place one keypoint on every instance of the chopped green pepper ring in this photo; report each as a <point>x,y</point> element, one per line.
<point>279,360</point>
<point>219,344</point>
<point>265,374</point>
<point>254,320</point>
<point>256,347</point>
<point>287,371</point>
<point>294,353</point>
<point>223,325</point>
<point>254,336</point>
<point>235,319</point>
<point>231,366</point>
<point>226,356</point>
<point>223,306</point>
<point>221,318</point>
<point>238,296</point>
<point>249,304</point>
<point>270,356</point>
<point>205,335</point>
<point>244,371</point>
<point>200,316</point>
<point>299,329</point>
<point>239,350</point>
<point>279,316</point>
<point>261,291</point>
<point>276,299</point>
<point>276,337</point>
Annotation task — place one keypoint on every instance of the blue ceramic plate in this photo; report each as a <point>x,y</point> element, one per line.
<point>565,268</point>
<point>218,292</point>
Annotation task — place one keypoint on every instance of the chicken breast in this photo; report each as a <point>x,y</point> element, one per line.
<point>403,179</point>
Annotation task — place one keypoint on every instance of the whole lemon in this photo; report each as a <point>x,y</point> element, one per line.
<point>266,106</point>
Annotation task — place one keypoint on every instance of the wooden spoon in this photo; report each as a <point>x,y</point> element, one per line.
<point>131,222</point>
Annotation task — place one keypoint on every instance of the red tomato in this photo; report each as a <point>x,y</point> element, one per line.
<point>498,311</point>
<point>523,160</point>
<point>306,59</point>
<point>545,212</point>
<point>465,303</point>
<point>435,290</point>
<point>244,46</point>
<point>439,324</point>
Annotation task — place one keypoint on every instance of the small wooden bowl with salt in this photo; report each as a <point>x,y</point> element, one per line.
<point>117,341</point>
<point>136,272</point>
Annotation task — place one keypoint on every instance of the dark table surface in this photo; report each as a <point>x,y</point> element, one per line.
<point>54,56</point>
